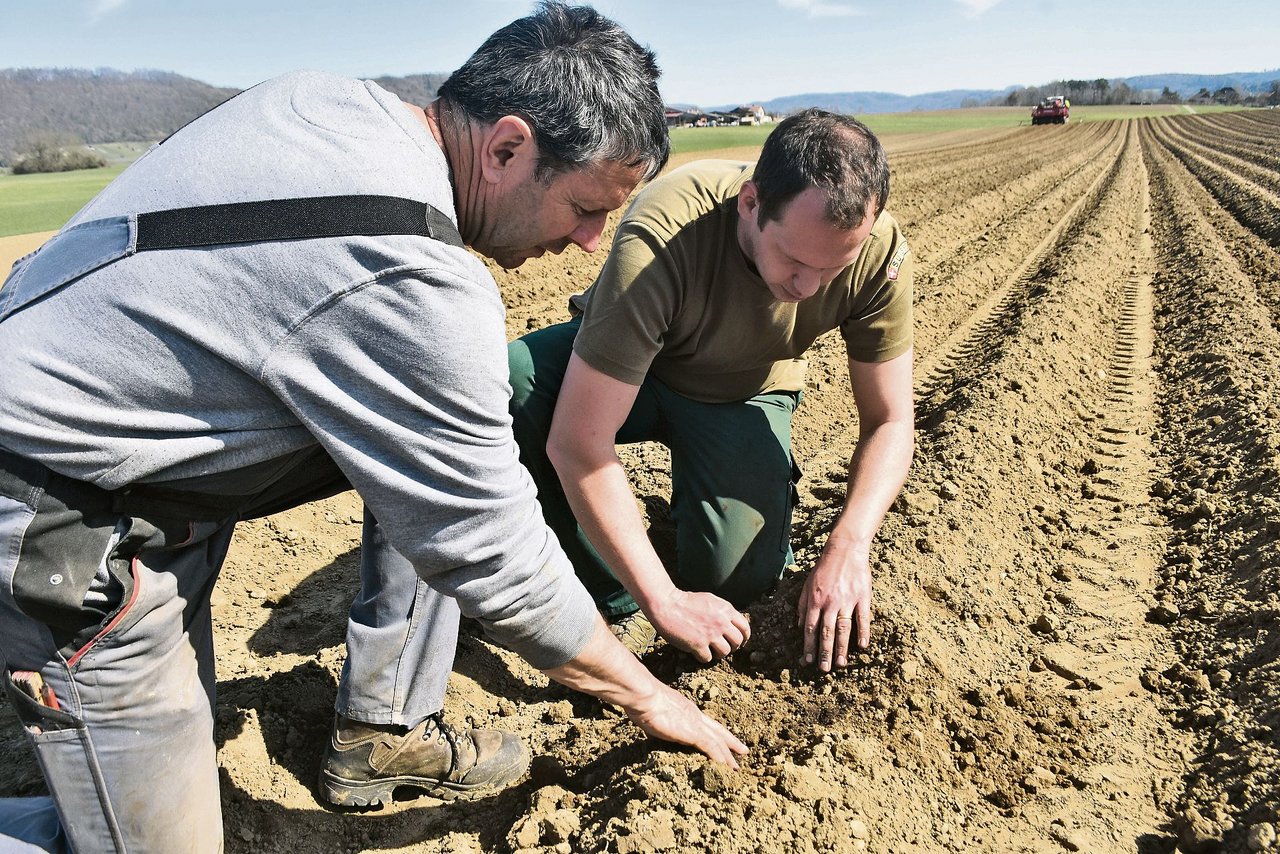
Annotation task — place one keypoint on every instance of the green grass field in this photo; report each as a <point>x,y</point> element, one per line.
<point>685,140</point>
<point>31,203</point>
<point>44,202</point>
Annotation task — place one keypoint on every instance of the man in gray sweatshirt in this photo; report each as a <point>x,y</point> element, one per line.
<point>270,307</point>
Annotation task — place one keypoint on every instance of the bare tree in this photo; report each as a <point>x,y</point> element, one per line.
<point>1100,88</point>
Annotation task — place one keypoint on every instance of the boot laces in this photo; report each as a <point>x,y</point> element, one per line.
<point>444,732</point>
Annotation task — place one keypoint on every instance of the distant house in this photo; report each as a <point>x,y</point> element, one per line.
<point>751,114</point>
<point>696,118</point>
<point>683,118</point>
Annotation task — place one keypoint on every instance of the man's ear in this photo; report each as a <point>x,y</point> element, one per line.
<point>508,147</point>
<point>748,201</point>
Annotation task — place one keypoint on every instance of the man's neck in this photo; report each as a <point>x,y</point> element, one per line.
<point>459,142</point>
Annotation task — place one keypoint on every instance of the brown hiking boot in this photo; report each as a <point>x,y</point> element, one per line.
<point>635,631</point>
<point>365,763</point>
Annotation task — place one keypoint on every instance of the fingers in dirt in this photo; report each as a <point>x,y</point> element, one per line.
<point>844,628</point>
<point>863,612</point>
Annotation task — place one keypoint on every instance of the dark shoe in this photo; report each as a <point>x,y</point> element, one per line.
<point>635,631</point>
<point>366,763</point>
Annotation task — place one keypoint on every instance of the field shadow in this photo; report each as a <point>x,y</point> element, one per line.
<point>293,627</point>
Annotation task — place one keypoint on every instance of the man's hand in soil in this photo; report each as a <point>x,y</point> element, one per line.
<point>835,605</point>
<point>835,600</point>
<point>604,669</point>
<point>671,716</point>
<point>702,624</point>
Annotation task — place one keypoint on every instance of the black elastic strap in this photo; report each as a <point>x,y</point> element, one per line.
<point>292,219</point>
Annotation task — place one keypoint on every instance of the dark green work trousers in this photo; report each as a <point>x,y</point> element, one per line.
<point>732,476</point>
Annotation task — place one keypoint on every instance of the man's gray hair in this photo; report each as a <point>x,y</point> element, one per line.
<point>835,153</point>
<point>587,89</point>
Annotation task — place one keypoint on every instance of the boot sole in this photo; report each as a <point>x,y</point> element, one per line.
<point>371,793</point>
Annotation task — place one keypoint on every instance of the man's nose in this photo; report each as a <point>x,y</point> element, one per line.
<point>806,282</point>
<point>587,234</point>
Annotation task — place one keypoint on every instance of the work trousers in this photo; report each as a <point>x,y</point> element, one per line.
<point>732,476</point>
<point>107,597</point>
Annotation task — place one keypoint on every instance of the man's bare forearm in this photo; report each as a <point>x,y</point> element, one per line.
<point>605,508</point>
<point>702,624</point>
<point>876,473</point>
<point>607,671</point>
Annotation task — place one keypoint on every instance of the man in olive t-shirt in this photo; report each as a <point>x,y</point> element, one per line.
<point>694,334</point>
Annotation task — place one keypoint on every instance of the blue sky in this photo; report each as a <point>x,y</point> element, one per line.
<point>712,52</point>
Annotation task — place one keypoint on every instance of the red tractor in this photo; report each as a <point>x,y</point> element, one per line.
<point>1051,111</point>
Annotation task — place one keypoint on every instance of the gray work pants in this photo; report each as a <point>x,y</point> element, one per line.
<point>107,599</point>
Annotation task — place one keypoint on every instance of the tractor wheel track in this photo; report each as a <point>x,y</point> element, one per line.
<point>978,339</point>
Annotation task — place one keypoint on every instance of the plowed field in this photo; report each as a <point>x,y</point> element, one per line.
<point>1077,594</point>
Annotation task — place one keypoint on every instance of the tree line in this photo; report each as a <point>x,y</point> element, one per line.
<point>52,152</point>
<point>1103,91</point>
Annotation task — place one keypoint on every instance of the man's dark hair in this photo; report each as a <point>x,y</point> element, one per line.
<point>834,153</point>
<point>589,92</point>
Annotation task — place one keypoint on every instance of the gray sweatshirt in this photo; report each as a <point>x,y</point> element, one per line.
<point>390,352</point>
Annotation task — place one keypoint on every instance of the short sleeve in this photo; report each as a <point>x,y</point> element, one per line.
<point>630,307</point>
<point>880,326</point>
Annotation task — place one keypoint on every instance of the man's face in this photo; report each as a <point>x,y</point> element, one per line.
<point>531,217</point>
<point>800,251</point>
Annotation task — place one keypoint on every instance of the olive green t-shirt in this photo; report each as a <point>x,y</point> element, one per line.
<point>678,298</point>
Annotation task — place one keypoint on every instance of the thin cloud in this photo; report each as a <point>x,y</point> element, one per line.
<point>974,8</point>
<point>819,9</point>
<point>99,9</point>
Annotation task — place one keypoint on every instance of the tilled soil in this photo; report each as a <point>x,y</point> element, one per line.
<point>1077,613</point>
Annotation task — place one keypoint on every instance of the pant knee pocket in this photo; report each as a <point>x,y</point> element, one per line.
<point>64,749</point>
<point>38,718</point>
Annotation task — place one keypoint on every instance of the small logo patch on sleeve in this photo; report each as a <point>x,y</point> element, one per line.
<point>896,261</point>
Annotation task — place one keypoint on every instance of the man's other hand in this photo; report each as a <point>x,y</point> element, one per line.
<point>702,624</point>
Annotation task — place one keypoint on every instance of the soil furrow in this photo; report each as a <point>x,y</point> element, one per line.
<point>987,254</point>
<point>978,340</point>
<point>950,218</point>
<point>1256,207</point>
<point>922,191</point>
<point>1219,368</point>
<point>1258,260</point>
<point>930,149</point>
<point>1260,125</point>
<point>1241,130</point>
<point>1246,163</point>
